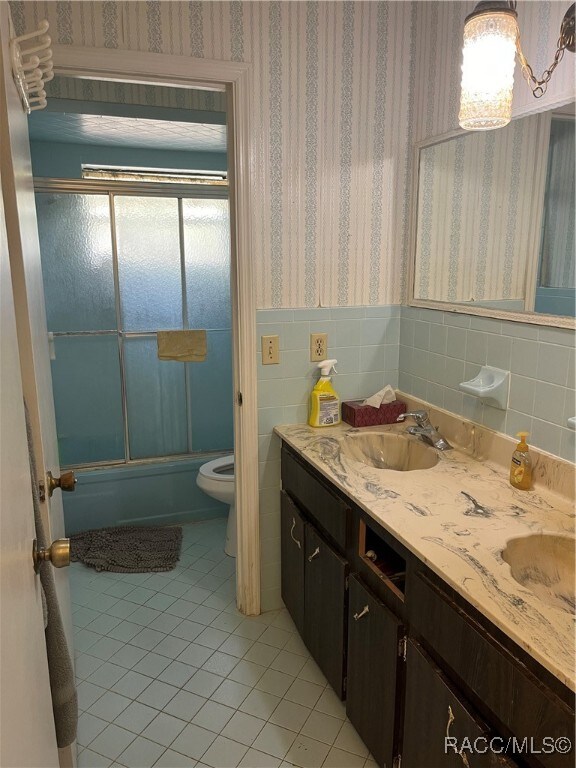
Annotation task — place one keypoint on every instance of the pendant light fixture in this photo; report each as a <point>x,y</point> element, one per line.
<point>491,42</point>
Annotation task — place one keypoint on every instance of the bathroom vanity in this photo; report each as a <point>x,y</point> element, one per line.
<point>397,584</point>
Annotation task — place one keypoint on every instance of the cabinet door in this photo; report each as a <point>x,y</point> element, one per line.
<point>292,549</point>
<point>438,723</point>
<point>325,612</point>
<point>373,671</point>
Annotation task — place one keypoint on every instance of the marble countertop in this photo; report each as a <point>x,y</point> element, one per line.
<point>457,517</point>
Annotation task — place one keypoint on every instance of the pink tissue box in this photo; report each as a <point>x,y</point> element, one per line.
<point>358,415</point>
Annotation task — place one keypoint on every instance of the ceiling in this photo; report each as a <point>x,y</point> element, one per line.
<point>114,131</point>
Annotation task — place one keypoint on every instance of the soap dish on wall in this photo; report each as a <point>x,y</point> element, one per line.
<point>572,422</point>
<point>491,386</point>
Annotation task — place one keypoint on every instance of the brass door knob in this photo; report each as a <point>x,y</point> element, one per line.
<point>58,554</point>
<point>66,482</point>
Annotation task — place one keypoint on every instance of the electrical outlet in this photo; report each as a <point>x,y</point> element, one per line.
<point>270,350</point>
<point>318,346</point>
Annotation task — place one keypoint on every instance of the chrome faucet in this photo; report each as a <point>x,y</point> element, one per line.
<point>425,430</point>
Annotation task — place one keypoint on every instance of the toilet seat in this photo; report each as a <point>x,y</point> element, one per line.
<point>219,469</point>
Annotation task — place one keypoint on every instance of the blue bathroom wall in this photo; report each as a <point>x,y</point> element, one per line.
<point>556,301</point>
<point>54,160</point>
<point>160,493</point>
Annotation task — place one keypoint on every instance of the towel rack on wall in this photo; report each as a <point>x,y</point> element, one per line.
<point>32,66</point>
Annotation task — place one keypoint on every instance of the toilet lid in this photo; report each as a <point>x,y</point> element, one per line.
<point>221,469</point>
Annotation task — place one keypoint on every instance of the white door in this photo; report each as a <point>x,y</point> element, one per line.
<point>24,253</point>
<point>27,735</point>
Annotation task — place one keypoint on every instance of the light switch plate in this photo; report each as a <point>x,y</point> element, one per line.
<point>270,350</point>
<point>318,346</point>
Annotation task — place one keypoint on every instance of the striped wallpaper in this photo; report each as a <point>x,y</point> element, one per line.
<point>332,121</point>
<point>478,196</point>
<point>341,90</point>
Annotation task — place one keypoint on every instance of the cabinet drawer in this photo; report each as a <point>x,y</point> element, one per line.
<point>321,504</point>
<point>517,699</point>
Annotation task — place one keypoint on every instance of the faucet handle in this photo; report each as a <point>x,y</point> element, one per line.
<point>420,417</point>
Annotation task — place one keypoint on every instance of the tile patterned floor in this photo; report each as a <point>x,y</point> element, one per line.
<point>171,675</point>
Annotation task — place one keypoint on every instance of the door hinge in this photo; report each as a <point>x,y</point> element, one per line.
<point>402,646</point>
<point>397,762</point>
<point>239,398</point>
<point>346,583</point>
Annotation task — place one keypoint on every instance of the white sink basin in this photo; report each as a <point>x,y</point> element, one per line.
<point>544,564</point>
<point>387,450</point>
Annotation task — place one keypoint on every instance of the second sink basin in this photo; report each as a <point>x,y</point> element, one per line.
<point>544,564</point>
<point>387,450</point>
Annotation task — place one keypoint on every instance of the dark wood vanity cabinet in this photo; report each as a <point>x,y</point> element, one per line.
<point>414,661</point>
<point>292,553</point>
<point>495,677</point>
<point>325,576</point>
<point>314,591</point>
<point>440,729</point>
<point>314,578</point>
<point>375,672</point>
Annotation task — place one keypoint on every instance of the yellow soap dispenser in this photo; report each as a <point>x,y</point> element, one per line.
<point>324,402</point>
<point>521,465</point>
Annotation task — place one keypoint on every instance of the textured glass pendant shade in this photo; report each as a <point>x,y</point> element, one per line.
<point>488,70</point>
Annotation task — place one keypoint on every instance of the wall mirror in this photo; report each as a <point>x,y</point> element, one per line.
<point>494,221</point>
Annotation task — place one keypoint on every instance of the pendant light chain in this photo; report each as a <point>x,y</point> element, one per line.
<point>540,86</point>
<point>566,40</point>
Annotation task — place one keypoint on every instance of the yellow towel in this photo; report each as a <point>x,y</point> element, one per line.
<point>184,346</point>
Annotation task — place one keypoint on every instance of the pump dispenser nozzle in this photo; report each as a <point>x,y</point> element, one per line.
<point>326,367</point>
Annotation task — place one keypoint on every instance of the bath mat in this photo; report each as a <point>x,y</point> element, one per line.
<point>128,549</point>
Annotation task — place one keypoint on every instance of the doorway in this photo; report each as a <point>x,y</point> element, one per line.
<point>132,205</point>
<point>233,79</point>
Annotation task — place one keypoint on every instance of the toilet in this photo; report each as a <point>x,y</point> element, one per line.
<point>216,478</point>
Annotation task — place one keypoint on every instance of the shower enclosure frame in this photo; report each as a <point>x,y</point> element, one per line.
<point>234,78</point>
<point>113,189</point>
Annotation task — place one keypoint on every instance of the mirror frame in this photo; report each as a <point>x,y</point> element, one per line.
<point>556,321</point>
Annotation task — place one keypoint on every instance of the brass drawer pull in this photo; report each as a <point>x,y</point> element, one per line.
<point>294,539</point>
<point>451,719</point>
<point>314,554</point>
<point>363,612</point>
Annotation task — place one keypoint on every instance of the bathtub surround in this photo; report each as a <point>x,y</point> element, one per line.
<point>154,493</point>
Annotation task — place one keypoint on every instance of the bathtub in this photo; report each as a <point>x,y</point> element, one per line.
<point>155,493</point>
